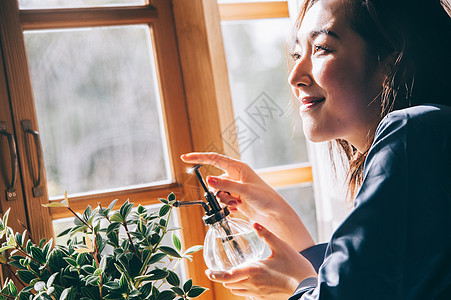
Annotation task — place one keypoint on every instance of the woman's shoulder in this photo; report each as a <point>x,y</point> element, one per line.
<point>419,118</point>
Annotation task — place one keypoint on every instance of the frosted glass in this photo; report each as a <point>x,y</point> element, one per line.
<point>302,199</point>
<point>98,108</point>
<point>269,129</point>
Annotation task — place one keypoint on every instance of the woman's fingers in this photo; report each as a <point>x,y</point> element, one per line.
<point>228,199</point>
<point>227,185</point>
<point>230,165</point>
<point>228,276</point>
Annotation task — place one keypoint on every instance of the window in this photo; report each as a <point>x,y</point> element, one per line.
<point>98,87</point>
<point>72,76</point>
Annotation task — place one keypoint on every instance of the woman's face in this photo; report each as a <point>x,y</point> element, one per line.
<point>337,85</point>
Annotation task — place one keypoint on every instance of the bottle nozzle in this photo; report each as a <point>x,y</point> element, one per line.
<point>211,199</point>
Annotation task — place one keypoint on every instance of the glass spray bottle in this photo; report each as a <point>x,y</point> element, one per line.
<point>229,242</point>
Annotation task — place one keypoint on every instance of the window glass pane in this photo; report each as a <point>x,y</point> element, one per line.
<point>268,127</point>
<point>302,200</point>
<point>98,108</point>
<point>30,4</point>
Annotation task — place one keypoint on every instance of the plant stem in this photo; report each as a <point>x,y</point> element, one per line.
<point>14,274</point>
<point>81,220</point>
<point>32,258</point>
<point>7,296</point>
<point>130,238</point>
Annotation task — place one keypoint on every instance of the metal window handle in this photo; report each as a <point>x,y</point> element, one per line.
<point>11,193</point>
<point>28,128</point>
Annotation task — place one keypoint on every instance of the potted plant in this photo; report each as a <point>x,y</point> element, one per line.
<point>120,255</point>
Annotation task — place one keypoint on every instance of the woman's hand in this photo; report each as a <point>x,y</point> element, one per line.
<point>250,195</point>
<point>276,277</point>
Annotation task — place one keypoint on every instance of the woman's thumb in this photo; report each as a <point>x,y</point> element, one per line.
<point>270,238</point>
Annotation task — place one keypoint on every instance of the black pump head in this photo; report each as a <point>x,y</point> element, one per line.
<point>213,212</point>
<point>211,199</point>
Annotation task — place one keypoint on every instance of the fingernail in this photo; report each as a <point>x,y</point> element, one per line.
<point>258,227</point>
<point>212,180</point>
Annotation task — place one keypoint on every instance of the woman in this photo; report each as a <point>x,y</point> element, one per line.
<point>371,75</point>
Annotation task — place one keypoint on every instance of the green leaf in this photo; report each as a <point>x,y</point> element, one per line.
<point>145,290</point>
<point>178,290</point>
<point>196,291</point>
<point>166,295</point>
<point>173,279</point>
<point>188,284</point>
<point>176,241</point>
<point>12,289</point>
<point>171,197</point>
<point>156,257</point>
<point>18,238</point>
<point>193,249</point>
<point>51,279</point>
<point>5,218</point>
<point>87,213</point>
<point>7,247</point>
<point>112,227</point>
<point>169,251</point>
<point>113,285</point>
<point>123,284</point>
<point>37,254</point>
<point>117,217</point>
<point>141,209</point>
<point>162,200</point>
<point>156,274</point>
<point>70,261</point>
<point>98,272</point>
<point>164,210</point>
<point>47,247</point>
<point>112,204</point>
<point>103,261</point>
<point>125,209</point>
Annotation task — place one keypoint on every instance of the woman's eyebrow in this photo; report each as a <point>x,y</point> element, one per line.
<point>328,32</point>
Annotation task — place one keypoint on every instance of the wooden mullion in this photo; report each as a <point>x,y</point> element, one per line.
<point>287,176</point>
<point>17,206</point>
<point>179,134</point>
<point>208,100</point>
<point>253,10</point>
<point>86,17</point>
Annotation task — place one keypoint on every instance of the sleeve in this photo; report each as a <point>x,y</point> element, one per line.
<point>361,260</point>
<point>315,255</point>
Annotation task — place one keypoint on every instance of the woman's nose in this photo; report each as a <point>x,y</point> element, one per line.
<point>300,75</point>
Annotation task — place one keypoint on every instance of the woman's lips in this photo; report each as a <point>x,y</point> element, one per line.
<point>310,102</point>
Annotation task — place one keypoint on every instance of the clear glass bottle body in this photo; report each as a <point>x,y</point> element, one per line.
<point>230,243</point>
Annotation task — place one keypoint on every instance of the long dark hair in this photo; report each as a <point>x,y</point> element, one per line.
<point>416,35</point>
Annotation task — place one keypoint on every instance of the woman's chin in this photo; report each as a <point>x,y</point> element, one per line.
<point>315,137</point>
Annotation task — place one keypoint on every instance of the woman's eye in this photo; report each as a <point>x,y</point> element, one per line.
<point>295,56</point>
<point>321,49</point>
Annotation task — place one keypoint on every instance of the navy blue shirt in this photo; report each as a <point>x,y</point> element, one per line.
<point>396,243</point>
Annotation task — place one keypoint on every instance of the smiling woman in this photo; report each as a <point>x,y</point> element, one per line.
<point>331,105</point>
<point>361,79</point>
